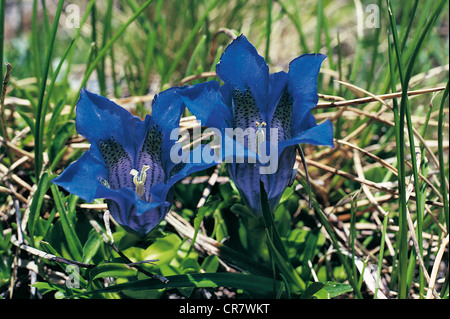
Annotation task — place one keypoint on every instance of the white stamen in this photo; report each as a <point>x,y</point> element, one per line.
<point>139,179</point>
<point>260,135</point>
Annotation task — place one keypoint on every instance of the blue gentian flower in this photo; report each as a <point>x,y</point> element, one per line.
<point>128,163</point>
<point>251,97</point>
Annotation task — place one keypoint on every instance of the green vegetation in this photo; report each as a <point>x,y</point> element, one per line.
<point>372,222</point>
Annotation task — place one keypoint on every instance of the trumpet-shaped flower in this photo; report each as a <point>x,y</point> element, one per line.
<point>275,106</point>
<point>128,161</point>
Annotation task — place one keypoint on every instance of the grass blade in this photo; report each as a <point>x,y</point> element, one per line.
<point>73,241</point>
<point>187,42</point>
<point>35,43</point>
<point>406,112</point>
<point>344,260</point>
<point>276,245</point>
<point>268,30</point>
<point>441,156</point>
<point>2,33</point>
<point>381,254</point>
<point>36,204</point>
<point>256,285</point>
<point>39,114</point>
<point>106,49</point>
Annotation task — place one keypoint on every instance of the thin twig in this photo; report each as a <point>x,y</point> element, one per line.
<point>142,270</point>
<point>324,105</point>
<point>436,265</point>
<point>203,75</point>
<point>226,31</point>
<point>211,182</point>
<point>417,249</point>
<point>47,256</point>
<point>2,106</point>
<point>341,207</point>
<point>185,229</point>
<point>14,193</point>
<point>416,133</point>
<point>18,214</point>
<point>7,172</point>
<point>371,155</point>
<point>388,166</point>
<point>16,149</point>
<point>366,190</point>
<point>362,181</point>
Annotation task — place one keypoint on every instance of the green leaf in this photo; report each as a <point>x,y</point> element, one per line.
<point>441,153</point>
<point>190,265</point>
<point>163,249</point>
<point>105,49</point>
<point>241,210</point>
<point>257,286</point>
<point>242,261</point>
<point>5,271</point>
<point>46,287</point>
<point>53,120</point>
<point>112,270</point>
<point>286,267</point>
<point>210,206</point>
<point>325,290</point>
<point>331,233</point>
<point>276,245</point>
<point>184,47</point>
<point>40,116</point>
<point>76,249</point>
<point>198,52</point>
<point>270,224</point>
<point>36,203</point>
<point>311,290</point>
<point>309,251</point>
<point>333,289</point>
<point>60,138</point>
<point>211,263</point>
<point>91,246</point>
<point>27,120</point>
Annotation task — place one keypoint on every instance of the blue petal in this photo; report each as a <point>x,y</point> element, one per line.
<point>277,86</point>
<point>150,154</point>
<point>131,212</point>
<point>193,162</point>
<point>155,174</point>
<point>162,191</point>
<point>283,116</point>
<point>83,177</point>
<point>321,134</point>
<point>246,177</point>
<point>276,183</point>
<point>302,85</point>
<point>205,101</point>
<point>167,109</point>
<point>116,133</point>
<point>242,67</point>
<point>99,119</point>
<point>209,102</point>
<point>168,106</point>
<point>232,151</point>
<point>246,111</point>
